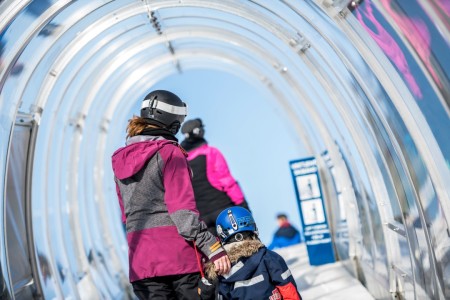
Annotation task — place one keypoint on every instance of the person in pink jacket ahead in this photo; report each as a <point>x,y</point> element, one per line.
<point>154,187</point>
<point>214,187</point>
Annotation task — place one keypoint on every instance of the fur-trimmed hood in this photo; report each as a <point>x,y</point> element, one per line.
<point>235,251</point>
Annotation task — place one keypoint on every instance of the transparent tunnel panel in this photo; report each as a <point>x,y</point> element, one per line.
<point>17,226</point>
<point>418,188</point>
<point>430,48</point>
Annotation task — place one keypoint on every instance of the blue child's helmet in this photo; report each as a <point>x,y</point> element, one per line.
<point>233,220</point>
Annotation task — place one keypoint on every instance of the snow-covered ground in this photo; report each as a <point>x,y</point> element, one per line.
<point>330,281</point>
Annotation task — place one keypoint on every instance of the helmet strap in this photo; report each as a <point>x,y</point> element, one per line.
<point>174,127</point>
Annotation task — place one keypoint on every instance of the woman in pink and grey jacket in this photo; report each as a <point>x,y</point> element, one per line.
<point>214,187</point>
<point>155,194</point>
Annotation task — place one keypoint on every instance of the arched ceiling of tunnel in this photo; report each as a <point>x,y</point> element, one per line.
<point>86,63</point>
<point>99,51</point>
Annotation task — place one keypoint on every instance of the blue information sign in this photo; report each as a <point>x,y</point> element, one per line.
<point>312,211</point>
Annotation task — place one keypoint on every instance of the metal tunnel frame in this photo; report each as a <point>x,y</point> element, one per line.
<point>72,71</point>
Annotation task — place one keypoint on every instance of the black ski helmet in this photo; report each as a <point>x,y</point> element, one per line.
<point>193,128</point>
<point>165,108</point>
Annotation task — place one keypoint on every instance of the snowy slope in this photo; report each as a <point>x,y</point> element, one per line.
<point>330,281</point>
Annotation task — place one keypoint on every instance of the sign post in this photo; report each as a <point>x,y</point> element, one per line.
<point>312,211</point>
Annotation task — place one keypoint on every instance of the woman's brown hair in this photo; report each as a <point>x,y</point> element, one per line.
<point>136,125</point>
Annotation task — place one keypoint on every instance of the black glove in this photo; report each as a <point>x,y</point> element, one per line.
<point>206,289</point>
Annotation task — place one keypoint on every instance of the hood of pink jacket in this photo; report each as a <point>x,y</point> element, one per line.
<point>128,160</point>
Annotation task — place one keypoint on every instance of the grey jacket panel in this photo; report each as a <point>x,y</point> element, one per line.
<point>143,196</point>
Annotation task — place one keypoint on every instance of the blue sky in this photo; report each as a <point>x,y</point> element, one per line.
<point>245,123</point>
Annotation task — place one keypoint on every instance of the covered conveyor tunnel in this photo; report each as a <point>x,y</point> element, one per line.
<point>363,85</point>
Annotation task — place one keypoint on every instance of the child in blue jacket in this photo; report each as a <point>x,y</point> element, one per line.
<point>257,272</point>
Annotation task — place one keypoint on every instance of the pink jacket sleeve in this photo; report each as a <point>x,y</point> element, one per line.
<point>220,176</point>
